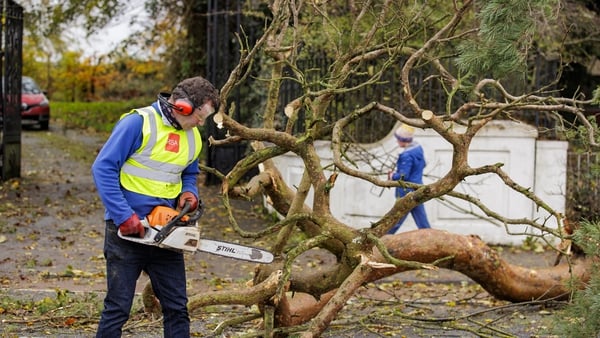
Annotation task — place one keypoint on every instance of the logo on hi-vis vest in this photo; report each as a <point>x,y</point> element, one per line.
<point>172,143</point>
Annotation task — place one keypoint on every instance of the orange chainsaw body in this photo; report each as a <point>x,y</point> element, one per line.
<point>162,215</point>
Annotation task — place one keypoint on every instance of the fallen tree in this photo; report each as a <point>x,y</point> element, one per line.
<point>437,249</point>
<point>384,34</point>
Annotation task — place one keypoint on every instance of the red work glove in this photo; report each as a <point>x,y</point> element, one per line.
<point>190,198</point>
<point>132,226</point>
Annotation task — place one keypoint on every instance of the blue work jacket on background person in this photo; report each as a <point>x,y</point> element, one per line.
<point>409,167</point>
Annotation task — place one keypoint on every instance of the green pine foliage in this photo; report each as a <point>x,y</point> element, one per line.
<point>581,318</point>
<point>596,95</point>
<point>506,28</point>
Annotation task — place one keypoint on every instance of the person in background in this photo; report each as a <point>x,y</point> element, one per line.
<point>409,168</point>
<point>149,160</point>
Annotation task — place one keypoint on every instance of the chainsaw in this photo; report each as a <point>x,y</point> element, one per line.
<point>166,228</point>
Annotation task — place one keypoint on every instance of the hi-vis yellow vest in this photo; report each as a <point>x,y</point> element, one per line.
<point>155,168</point>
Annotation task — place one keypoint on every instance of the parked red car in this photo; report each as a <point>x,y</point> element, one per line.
<point>35,107</point>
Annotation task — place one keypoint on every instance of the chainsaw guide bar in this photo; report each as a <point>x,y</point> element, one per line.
<point>226,249</point>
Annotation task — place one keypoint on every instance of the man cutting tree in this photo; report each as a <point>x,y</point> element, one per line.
<point>150,160</point>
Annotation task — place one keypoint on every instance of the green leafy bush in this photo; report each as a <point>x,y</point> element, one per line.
<point>100,116</point>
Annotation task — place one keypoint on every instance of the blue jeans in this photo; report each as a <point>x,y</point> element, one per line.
<point>125,261</point>
<point>418,214</point>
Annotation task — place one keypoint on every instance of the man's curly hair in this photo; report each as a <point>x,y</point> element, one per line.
<point>198,90</point>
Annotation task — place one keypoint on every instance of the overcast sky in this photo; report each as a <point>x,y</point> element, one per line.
<point>116,31</point>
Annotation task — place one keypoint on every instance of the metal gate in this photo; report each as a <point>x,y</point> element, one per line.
<point>11,42</point>
<point>224,18</point>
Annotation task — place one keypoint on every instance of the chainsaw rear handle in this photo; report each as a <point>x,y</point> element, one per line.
<point>174,222</point>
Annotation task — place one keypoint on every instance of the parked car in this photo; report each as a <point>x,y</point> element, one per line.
<point>35,107</point>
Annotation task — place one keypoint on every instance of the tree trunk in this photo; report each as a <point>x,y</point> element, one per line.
<point>475,259</point>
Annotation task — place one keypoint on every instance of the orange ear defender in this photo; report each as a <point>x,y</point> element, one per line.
<point>183,106</point>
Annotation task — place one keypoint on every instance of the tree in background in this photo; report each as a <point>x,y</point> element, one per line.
<point>54,56</point>
<point>171,34</point>
<point>175,33</point>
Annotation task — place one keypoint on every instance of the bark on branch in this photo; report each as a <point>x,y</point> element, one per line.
<point>475,259</point>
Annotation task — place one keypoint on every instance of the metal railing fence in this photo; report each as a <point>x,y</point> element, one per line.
<point>583,186</point>
<point>11,42</point>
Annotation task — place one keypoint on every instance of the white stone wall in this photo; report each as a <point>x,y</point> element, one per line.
<point>540,165</point>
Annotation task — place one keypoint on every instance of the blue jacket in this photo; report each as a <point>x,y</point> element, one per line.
<point>409,167</point>
<point>119,203</point>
